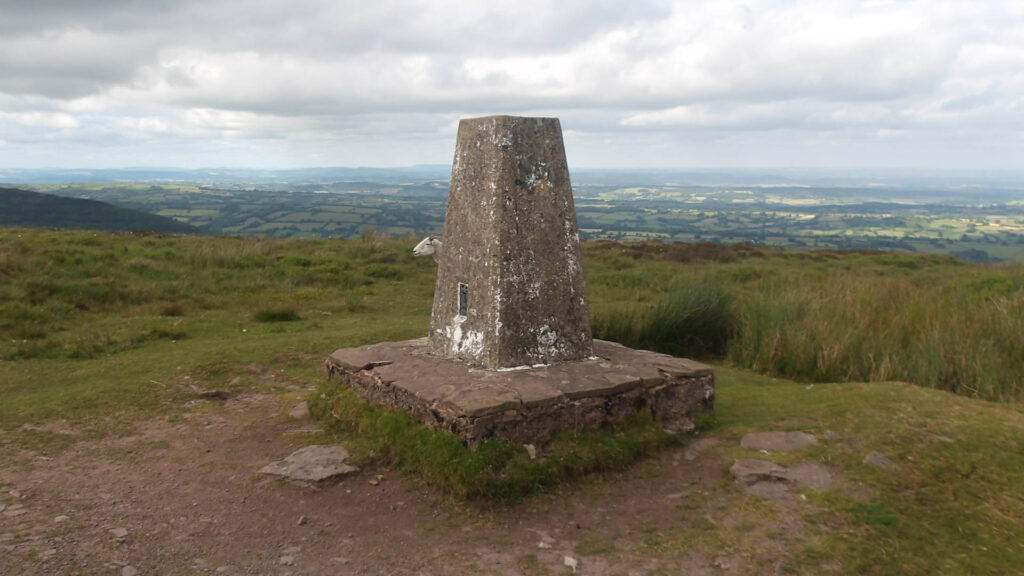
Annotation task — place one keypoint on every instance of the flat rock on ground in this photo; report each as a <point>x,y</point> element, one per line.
<point>300,411</point>
<point>777,441</point>
<point>772,481</point>
<point>313,464</point>
<point>877,459</point>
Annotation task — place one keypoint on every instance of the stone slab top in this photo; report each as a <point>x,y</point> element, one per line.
<point>476,392</point>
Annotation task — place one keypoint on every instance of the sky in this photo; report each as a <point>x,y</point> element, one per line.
<point>927,84</point>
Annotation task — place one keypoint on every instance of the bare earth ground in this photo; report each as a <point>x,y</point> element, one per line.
<point>183,497</point>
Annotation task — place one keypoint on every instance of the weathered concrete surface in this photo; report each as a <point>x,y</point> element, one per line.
<point>527,405</point>
<point>511,246</point>
<point>312,464</point>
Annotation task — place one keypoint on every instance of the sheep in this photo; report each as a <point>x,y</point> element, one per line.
<point>429,245</point>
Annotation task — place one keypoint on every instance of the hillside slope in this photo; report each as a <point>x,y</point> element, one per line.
<point>146,378</point>
<point>36,210</point>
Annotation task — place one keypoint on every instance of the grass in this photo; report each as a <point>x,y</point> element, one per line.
<point>819,316</point>
<point>949,505</point>
<point>101,330</point>
<point>277,314</point>
<point>93,324</point>
<point>691,320</point>
<point>495,472</point>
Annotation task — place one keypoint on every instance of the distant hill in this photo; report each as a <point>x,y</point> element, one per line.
<point>35,210</point>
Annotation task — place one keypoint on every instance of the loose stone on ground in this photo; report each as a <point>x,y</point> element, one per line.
<point>15,510</point>
<point>877,459</point>
<point>777,441</point>
<point>301,411</point>
<point>772,481</point>
<point>312,464</point>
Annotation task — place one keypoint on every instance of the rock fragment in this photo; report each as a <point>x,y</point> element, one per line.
<point>877,459</point>
<point>777,441</point>
<point>300,411</point>
<point>312,464</point>
<point>771,481</point>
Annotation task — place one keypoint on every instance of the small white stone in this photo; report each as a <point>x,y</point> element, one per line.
<point>531,451</point>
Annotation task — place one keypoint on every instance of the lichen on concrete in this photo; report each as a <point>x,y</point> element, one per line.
<point>511,236</point>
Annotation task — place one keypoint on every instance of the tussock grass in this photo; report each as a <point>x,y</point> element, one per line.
<point>819,316</point>
<point>853,327</point>
<point>691,320</point>
<point>172,309</point>
<point>276,314</point>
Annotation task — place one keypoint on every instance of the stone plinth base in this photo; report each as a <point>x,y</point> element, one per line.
<point>532,404</point>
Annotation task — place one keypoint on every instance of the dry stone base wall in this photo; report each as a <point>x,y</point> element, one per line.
<point>527,406</point>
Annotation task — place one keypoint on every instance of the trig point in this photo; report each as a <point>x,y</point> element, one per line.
<point>510,289</point>
<point>510,352</point>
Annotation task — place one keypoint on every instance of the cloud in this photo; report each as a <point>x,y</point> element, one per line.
<point>682,82</point>
<point>43,119</point>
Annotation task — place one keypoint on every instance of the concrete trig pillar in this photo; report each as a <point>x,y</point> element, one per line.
<point>510,289</point>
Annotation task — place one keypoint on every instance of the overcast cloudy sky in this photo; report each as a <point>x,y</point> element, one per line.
<point>637,83</point>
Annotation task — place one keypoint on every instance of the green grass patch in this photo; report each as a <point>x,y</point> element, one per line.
<point>949,505</point>
<point>95,324</point>
<point>494,472</point>
<point>276,314</point>
<point>818,316</point>
<point>693,319</point>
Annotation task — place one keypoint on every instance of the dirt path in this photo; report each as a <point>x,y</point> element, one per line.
<point>184,497</point>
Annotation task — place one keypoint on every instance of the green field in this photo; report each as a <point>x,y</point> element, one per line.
<point>989,230</point>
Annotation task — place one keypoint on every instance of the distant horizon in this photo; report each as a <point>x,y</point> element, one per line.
<point>439,165</point>
<point>956,180</point>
